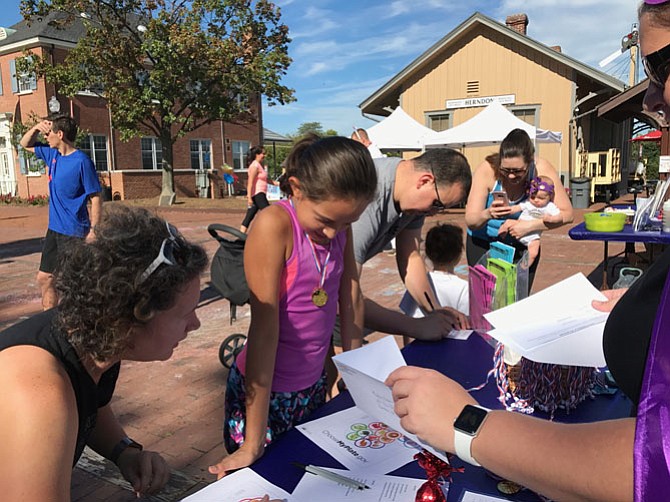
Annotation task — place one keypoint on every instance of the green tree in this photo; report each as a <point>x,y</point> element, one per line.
<point>166,67</point>
<point>308,127</point>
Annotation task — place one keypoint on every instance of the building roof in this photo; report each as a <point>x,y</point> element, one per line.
<point>270,136</point>
<point>40,31</point>
<point>629,104</point>
<point>391,90</point>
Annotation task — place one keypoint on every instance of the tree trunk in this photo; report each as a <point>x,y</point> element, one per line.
<point>168,195</point>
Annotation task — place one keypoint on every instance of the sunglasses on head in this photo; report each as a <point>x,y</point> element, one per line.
<point>657,66</point>
<point>165,254</point>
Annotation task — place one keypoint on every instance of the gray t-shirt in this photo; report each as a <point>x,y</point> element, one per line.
<point>381,222</point>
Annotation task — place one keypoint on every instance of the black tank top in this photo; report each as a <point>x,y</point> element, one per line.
<point>39,331</point>
<point>628,329</point>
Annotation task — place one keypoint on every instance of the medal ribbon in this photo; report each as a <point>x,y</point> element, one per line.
<point>321,269</point>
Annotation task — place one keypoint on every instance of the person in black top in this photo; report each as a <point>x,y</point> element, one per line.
<point>130,294</point>
<point>578,461</point>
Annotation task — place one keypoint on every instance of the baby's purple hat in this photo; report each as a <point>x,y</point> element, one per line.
<point>655,2</point>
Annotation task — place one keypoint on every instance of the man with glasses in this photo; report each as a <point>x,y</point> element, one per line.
<point>407,192</point>
<point>73,181</point>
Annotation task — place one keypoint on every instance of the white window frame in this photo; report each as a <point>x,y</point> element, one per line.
<point>156,149</point>
<point>242,154</point>
<point>439,114</point>
<point>93,152</point>
<point>204,150</point>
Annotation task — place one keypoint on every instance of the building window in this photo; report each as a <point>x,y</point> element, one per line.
<point>438,121</point>
<point>240,151</point>
<point>29,164</point>
<point>152,153</point>
<point>528,115</point>
<point>201,154</point>
<point>22,81</point>
<point>95,146</point>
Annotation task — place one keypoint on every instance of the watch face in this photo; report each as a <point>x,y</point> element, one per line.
<point>470,419</point>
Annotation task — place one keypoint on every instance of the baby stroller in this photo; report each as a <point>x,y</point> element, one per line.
<point>227,273</point>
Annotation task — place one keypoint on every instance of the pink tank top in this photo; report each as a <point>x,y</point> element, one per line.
<point>304,329</point>
<point>261,184</point>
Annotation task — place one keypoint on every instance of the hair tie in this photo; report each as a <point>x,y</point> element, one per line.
<point>537,184</point>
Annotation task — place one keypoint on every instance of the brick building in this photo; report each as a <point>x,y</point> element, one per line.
<point>130,169</point>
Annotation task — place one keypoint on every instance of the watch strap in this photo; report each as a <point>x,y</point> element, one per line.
<point>121,446</point>
<point>463,443</point>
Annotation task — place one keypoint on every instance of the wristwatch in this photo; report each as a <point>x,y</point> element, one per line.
<point>121,446</point>
<point>466,427</point>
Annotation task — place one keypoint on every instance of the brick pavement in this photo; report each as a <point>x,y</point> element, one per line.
<point>175,407</point>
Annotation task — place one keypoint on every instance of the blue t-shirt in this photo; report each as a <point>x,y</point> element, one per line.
<point>72,179</point>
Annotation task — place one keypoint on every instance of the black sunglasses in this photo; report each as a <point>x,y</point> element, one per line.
<point>437,204</point>
<point>657,66</point>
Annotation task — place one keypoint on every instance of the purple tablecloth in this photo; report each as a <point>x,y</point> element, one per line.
<point>467,362</point>
<point>579,233</point>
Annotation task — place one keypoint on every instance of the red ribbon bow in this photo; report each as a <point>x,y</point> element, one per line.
<point>437,472</point>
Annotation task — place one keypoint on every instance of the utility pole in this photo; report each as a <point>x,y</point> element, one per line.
<point>629,42</point>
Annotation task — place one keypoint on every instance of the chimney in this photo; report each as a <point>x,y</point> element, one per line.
<point>557,48</point>
<point>517,22</point>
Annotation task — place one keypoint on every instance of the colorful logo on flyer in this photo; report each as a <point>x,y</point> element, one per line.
<point>376,435</point>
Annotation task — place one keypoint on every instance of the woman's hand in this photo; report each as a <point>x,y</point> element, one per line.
<point>427,403</point>
<point>517,228</point>
<point>498,209</point>
<point>243,457</point>
<point>613,297</point>
<point>146,471</point>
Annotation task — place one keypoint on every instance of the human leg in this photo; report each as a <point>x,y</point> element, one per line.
<point>48,264</point>
<point>251,212</point>
<point>533,250</point>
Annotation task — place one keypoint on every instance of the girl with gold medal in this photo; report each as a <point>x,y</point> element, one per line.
<point>301,271</point>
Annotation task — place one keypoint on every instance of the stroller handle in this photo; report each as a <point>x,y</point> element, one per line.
<point>215,228</point>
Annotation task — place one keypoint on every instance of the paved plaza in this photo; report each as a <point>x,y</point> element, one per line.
<point>176,407</point>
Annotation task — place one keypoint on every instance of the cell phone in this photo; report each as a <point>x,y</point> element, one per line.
<point>500,195</point>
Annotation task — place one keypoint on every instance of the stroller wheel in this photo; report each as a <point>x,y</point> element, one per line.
<point>229,349</point>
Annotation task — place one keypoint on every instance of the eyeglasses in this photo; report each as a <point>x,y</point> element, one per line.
<point>657,66</point>
<point>437,203</point>
<point>165,255</point>
<point>515,172</point>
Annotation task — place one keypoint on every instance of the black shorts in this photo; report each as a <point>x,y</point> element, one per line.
<point>53,244</point>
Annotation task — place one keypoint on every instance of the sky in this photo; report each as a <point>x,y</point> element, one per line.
<point>345,50</point>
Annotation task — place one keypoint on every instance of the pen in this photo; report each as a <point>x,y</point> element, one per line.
<point>338,478</point>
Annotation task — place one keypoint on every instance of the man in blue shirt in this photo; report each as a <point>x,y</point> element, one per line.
<point>73,181</point>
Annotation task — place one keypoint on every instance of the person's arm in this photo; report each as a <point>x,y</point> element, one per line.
<point>252,173</point>
<point>38,413</point>
<point>146,471</point>
<point>265,253</point>
<point>563,462</point>
<point>515,209</point>
<point>94,214</point>
<point>351,305</point>
<point>29,139</point>
<point>476,212</point>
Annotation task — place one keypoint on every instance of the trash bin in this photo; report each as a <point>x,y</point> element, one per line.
<point>580,189</point>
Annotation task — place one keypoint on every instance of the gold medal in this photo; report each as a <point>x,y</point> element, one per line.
<point>319,297</point>
<point>509,487</point>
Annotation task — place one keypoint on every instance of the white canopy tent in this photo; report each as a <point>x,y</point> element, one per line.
<point>488,127</point>
<point>399,131</point>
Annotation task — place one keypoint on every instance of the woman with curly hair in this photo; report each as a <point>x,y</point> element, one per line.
<point>129,295</point>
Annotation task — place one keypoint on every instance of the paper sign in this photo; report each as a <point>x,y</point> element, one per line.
<point>240,486</point>
<point>364,370</point>
<point>558,325</point>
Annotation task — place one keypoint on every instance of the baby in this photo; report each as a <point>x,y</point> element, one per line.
<point>539,206</point>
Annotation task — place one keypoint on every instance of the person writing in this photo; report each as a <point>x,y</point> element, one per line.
<point>509,171</point>
<point>257,185</point>
<point>625,459</point>
<point>73,182</point>
<point>130,294</point>
<point>299,264</point>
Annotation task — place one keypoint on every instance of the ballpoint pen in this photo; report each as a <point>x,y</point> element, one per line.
<point>338,478</point>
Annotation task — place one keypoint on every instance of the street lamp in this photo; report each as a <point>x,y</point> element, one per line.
<point>54,105</point>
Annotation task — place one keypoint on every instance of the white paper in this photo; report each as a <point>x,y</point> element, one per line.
<point>478,497</point>
<point>459,334</point>
<point>242,485</point>
<point>364,370</point>
<point>360,442</point>
<point>387,488</point>
<point>558,325</point>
